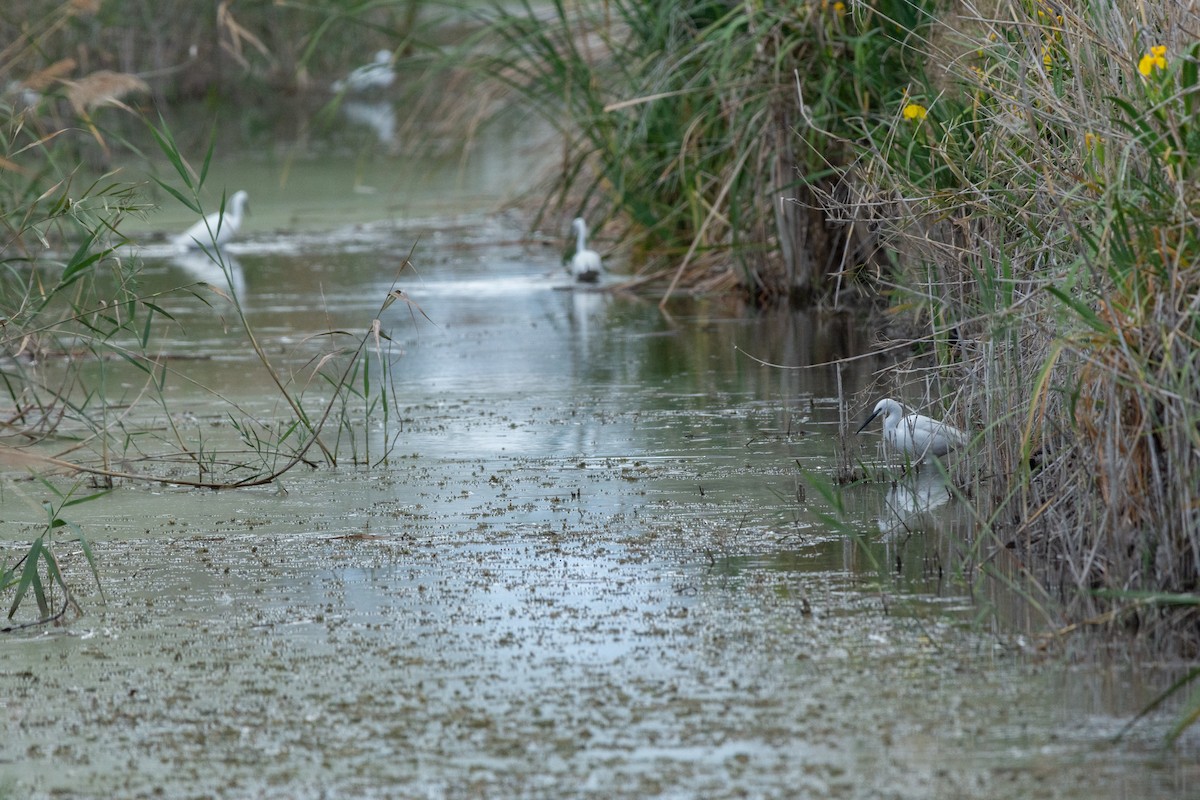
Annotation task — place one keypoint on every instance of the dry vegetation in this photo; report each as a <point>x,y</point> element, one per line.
<point>1044,215</point>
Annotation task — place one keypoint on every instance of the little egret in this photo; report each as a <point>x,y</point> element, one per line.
<point>215,229</point>
<point>585,264</point>
<point>379,74</point>
<point>915,435</point>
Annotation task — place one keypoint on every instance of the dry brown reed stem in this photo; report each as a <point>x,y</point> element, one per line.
<point>102,87</point>
<point>44,78</point>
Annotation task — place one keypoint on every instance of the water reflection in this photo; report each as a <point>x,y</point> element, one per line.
<point>379,117</point>
<point>910,502</point>
<point>218,269</point>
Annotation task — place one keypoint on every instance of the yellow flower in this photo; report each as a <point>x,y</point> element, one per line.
<point>914,111</point>
<point>1155,59</point>
<point>839,7</point>
<point>1091,141</point>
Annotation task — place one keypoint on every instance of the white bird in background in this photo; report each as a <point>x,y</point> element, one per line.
<point>215,228</point>
<point>379,74</point>
<point>585,264</point>
<point>915,435</point>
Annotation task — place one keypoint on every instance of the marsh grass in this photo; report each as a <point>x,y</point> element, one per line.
<point>85,370</point>
<point>1043,212</point>
<point>679,127</point>
<point>38,574</point>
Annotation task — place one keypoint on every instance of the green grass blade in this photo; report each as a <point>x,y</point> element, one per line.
<point>29,575</point>
<point>189,202</point>
<point>166,143</point>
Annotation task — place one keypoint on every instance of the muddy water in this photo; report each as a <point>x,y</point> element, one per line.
<point>585,565</point>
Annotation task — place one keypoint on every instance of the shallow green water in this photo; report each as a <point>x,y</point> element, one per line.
<point>588,568</point>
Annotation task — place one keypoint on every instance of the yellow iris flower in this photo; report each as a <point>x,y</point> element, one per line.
<point>1155,59</point>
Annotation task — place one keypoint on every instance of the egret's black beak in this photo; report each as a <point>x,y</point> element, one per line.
<point>868,422</point>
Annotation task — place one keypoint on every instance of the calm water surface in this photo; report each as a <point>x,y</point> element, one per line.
<point>585,564</point>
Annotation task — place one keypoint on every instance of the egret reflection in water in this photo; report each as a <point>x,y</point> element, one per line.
<point>379,117</point>
<point>218,269</point>
<point>910,503</point>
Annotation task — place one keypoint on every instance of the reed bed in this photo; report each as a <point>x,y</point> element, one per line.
<point>679,124</point>
<point>1041,198</point>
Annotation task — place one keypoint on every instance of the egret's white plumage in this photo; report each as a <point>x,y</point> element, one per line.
<point>216,228</point>
<point>379,74</point>
<point>585,264</point>
<point>915,435</point>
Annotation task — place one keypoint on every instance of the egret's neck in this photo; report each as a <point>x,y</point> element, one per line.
<point>580,239</point>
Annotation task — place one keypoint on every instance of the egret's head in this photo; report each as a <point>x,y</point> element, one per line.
<point>887,407</point>
<point>239,201</point>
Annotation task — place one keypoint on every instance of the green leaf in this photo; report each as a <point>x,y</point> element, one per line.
<point>212,143</point>
<point>82,259</point>
<point>74,501</point>
<point>187,201</point>
<point>166,143</point>
<point>1191,713</point>
<point>162,312</point>
<point>91,559</point>
<point>29,575</point>
<point>136,362</point>
<point>145,337</point>
<point>1192,675</point>
<point>1090,317</point>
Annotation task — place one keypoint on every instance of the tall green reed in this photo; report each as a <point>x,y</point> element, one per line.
<point>680,125</point>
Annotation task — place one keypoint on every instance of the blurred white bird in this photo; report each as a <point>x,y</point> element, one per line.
<point>585,264</point>
<point>379,74</point>
<point>221,271</point>
<point>215,229</point>
<point>915,435</point>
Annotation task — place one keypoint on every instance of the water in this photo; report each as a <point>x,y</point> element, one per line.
<point>589,566</point>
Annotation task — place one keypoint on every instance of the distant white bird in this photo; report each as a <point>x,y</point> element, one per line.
<point>215,228</point>
<point>585,264</point>
<point>379,74</point>
<point>915,435</point>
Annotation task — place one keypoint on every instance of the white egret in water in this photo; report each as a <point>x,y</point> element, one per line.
<point>379,74</point>
<point>915,435</point>
<point>585,264</point>
<point>216,228</point>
